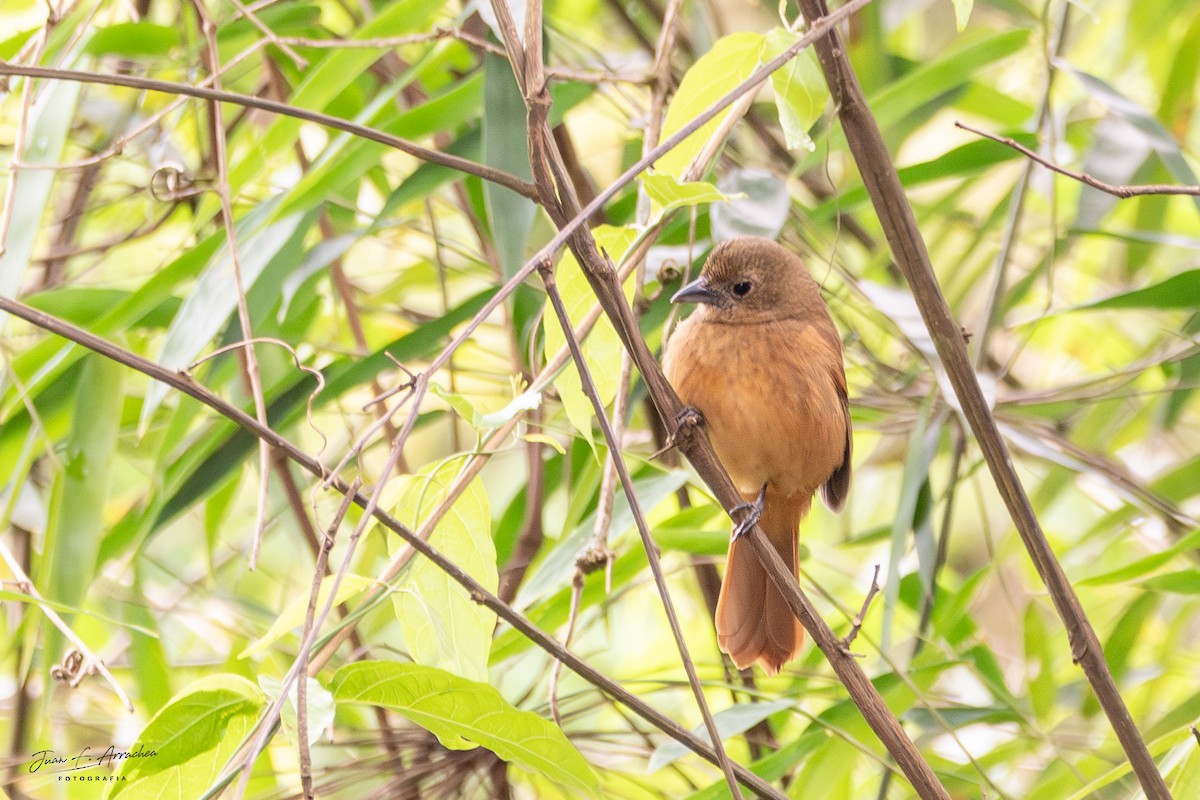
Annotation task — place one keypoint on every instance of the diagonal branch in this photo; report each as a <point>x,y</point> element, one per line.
<point>492,174</point>
<point>908,247</point>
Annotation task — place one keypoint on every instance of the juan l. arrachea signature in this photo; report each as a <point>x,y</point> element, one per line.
<point>87,758</point>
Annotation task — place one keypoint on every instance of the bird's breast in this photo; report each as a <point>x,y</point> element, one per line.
<point>770,397</point>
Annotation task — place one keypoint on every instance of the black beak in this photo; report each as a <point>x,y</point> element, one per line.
<point>696,292</point>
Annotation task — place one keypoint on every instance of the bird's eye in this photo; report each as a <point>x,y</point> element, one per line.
<point>741,289</point>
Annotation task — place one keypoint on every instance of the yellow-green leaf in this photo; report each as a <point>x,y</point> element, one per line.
<point>668,194</point>
<point>602,348</point>
<point>800,90</point>
<point>464,714</point>
<point>731,60</point>
<point>187,744</point>
<point>442,626</point>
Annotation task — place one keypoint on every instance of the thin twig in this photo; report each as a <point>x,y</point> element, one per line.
<point>87,661</point>
<point>300,61</point>
<point>217,130</point>
<point>1123,192</point>
<point>307,637</point>
<point>660,581</point>
<point>856,626</point>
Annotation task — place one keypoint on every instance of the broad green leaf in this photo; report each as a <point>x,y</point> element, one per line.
<point>133,40</point>
<point>602,348</point>
<point>669,194</point>
<point>318,703</point>
<point>730,722</point>
<point>442,626</point>
<point>464,714</point>
<point>800,89</point>
<point>292,617</point>
<point>731,60</point>
<point>189,742</point>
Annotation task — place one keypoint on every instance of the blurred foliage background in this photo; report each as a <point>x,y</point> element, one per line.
<point>132,508</point>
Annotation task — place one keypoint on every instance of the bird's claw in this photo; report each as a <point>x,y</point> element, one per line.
<point>751,514</point>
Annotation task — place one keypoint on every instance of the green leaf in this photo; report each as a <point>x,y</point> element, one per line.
<point>669,194</point>
<point>133,40</point>
<point>800,89</point>
<point>505,147</point>
<point>731,60</point>
<point>292,617</point>
<point>1178,291</point>
<point>81,488</point>
<point>730,722</point>
<point>189,742</point>
<point>442,626</point>
<point>209,305</point>
<point>602,348</point>
<point>464,714</point>
<point>48,124</point>
<point>1183,582</point>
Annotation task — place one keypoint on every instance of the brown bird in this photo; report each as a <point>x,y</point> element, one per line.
<point>761,360</point>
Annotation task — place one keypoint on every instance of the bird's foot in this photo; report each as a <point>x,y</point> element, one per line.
<point>750,513</point>
<point>687,422</point>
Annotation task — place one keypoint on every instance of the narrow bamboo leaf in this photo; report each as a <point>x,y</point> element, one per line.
<point>464,714</point>
<point>602,348</point>
<point>292,617</point>
<point>1178,291</point>
<point>80,491</point>
<point>505,147</point>
<point>1141,566</point>
<point>442,626</point>
<point>800,90</point>
<point>133,40</point>
<point>951,70</point>
<point>187,744</point>
<point>969,159</point>
<point>208,307</point>
<point>1040,676</point>
<point>48,124</point>
<point>325,80</point>
<point>730,61</point>
<point>1183,582</point>
<point>730,722</point>
<point>922,445</point>
<point>556,570</point>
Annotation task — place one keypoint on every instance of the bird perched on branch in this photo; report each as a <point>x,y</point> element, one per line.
<point>761,361</point>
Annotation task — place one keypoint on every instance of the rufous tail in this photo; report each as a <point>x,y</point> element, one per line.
<point>754,622</point>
